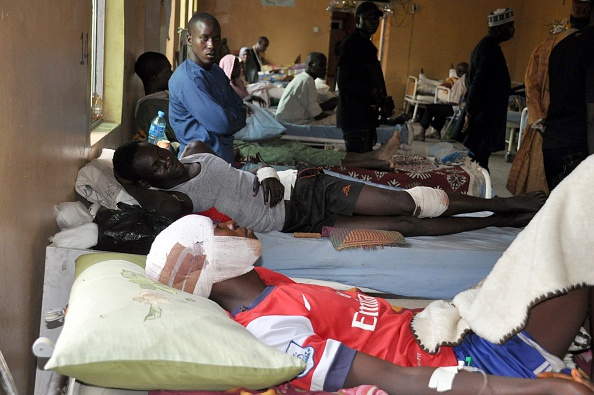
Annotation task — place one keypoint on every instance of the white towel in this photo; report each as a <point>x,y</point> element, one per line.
<point>553,254</point>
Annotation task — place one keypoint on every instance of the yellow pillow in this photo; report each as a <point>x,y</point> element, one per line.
<point>124,330</point>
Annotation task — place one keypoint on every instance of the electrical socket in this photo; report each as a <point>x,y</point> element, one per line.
<point>414,8</point>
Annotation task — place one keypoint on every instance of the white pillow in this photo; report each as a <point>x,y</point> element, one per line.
<point>124,330</point>
<point>96,183</point>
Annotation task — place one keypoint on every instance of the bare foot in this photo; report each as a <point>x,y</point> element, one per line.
<point>530,202</point>
<point>389,149</point>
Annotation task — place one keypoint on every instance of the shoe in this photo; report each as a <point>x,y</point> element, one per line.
<point>434,135</point>
<point>399,120</point>
<point>419,137</point>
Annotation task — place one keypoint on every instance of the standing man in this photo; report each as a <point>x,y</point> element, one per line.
<point>360,80</point>
<point>254,60</point>
<point>569,134</point>
<point>489,87</point>
<point>202,104</point>
<point>299,103</point>
<point>527,173</point>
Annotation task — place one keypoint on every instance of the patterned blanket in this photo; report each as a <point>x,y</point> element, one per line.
<point>414,171</point>
<point>282,389</point>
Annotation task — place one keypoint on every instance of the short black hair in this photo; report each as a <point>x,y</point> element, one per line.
<point>150,64</point>
<point>123,161</point>
<point>202,16</point>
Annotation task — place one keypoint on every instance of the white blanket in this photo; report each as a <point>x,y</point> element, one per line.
<point>553,254</point>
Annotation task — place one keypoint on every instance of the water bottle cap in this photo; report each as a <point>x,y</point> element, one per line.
<point>161,113</point>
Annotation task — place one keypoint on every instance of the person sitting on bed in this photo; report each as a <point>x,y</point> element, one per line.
<point>202,104</point>
<point>348,338</point>
<point>309,201</point>
<point>154,69</point>
<point>299,103</point>
<point>233,70</point>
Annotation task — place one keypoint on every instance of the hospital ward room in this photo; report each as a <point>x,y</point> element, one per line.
<point>267,197</point>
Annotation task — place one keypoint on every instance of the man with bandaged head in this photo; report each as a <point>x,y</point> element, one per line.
<point>348,338</point>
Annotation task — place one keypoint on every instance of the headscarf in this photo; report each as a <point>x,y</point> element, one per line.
<point>227,63</point>
<point>242,51</point>
<point>189,257</point>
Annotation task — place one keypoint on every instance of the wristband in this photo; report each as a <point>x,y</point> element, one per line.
<point>266,172</point>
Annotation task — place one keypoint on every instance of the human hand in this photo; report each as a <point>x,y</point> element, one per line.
<point>466,126</point>
<point>273,189</point>
<point>576,377</point>
<point>261,102</point>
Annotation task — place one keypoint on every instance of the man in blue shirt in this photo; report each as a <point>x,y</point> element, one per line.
<point>202,104</point>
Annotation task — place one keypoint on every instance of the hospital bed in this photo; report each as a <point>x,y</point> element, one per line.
<point>330,137</point>
<point>422,91</point>
<point>428,268</point>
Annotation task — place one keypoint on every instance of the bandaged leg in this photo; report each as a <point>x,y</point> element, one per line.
<point>429,202</point>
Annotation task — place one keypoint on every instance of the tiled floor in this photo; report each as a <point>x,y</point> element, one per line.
<point>498,166</point>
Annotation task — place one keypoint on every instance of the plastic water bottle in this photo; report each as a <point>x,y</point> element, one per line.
<point>157,129</point>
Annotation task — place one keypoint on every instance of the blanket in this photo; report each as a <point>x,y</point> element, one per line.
<point>282,389</point>
<point>550,256</point>
<point>465,177</point>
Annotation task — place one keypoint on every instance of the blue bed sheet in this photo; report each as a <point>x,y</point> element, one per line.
<point>384,133</point>
<point>431,267</point>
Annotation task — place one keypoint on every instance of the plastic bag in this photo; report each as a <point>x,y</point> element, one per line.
<point>71,214</point>
<point>83,236</point>
<point>446,153</point>
<point>132,229</point>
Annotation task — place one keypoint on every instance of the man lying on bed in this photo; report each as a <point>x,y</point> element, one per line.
<point>308,200</point>
<point>349,339</point>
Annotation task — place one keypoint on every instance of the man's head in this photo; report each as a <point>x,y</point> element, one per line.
<point>316,65</point>
<point>367,17</point>
<point>580,13</point>
<point>148,165</point>
<point>461,69</point>
<point>154,69</point>
<point>262,44</point>
<point>204,38</point>
<point>192,254</point>
<point>501,24</point>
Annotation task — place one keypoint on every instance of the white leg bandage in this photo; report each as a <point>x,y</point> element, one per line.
<point>430,202</point>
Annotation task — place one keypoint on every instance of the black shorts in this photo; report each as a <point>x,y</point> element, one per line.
<point>317,199</point>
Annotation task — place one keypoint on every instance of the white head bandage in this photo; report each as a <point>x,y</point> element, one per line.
<point>187,256</point>
<point>430,202</point>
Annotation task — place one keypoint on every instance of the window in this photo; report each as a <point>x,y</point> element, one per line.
<point>97,60</point>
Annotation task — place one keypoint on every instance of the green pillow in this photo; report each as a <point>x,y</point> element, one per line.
<point>124,330</point>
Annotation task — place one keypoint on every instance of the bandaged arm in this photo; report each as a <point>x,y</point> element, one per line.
<point>429,202</point>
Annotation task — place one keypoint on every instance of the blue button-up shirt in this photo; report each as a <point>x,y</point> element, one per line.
<point>203,106</point>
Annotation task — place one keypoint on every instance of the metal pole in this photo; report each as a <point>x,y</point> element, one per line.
<point>6,378</point>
